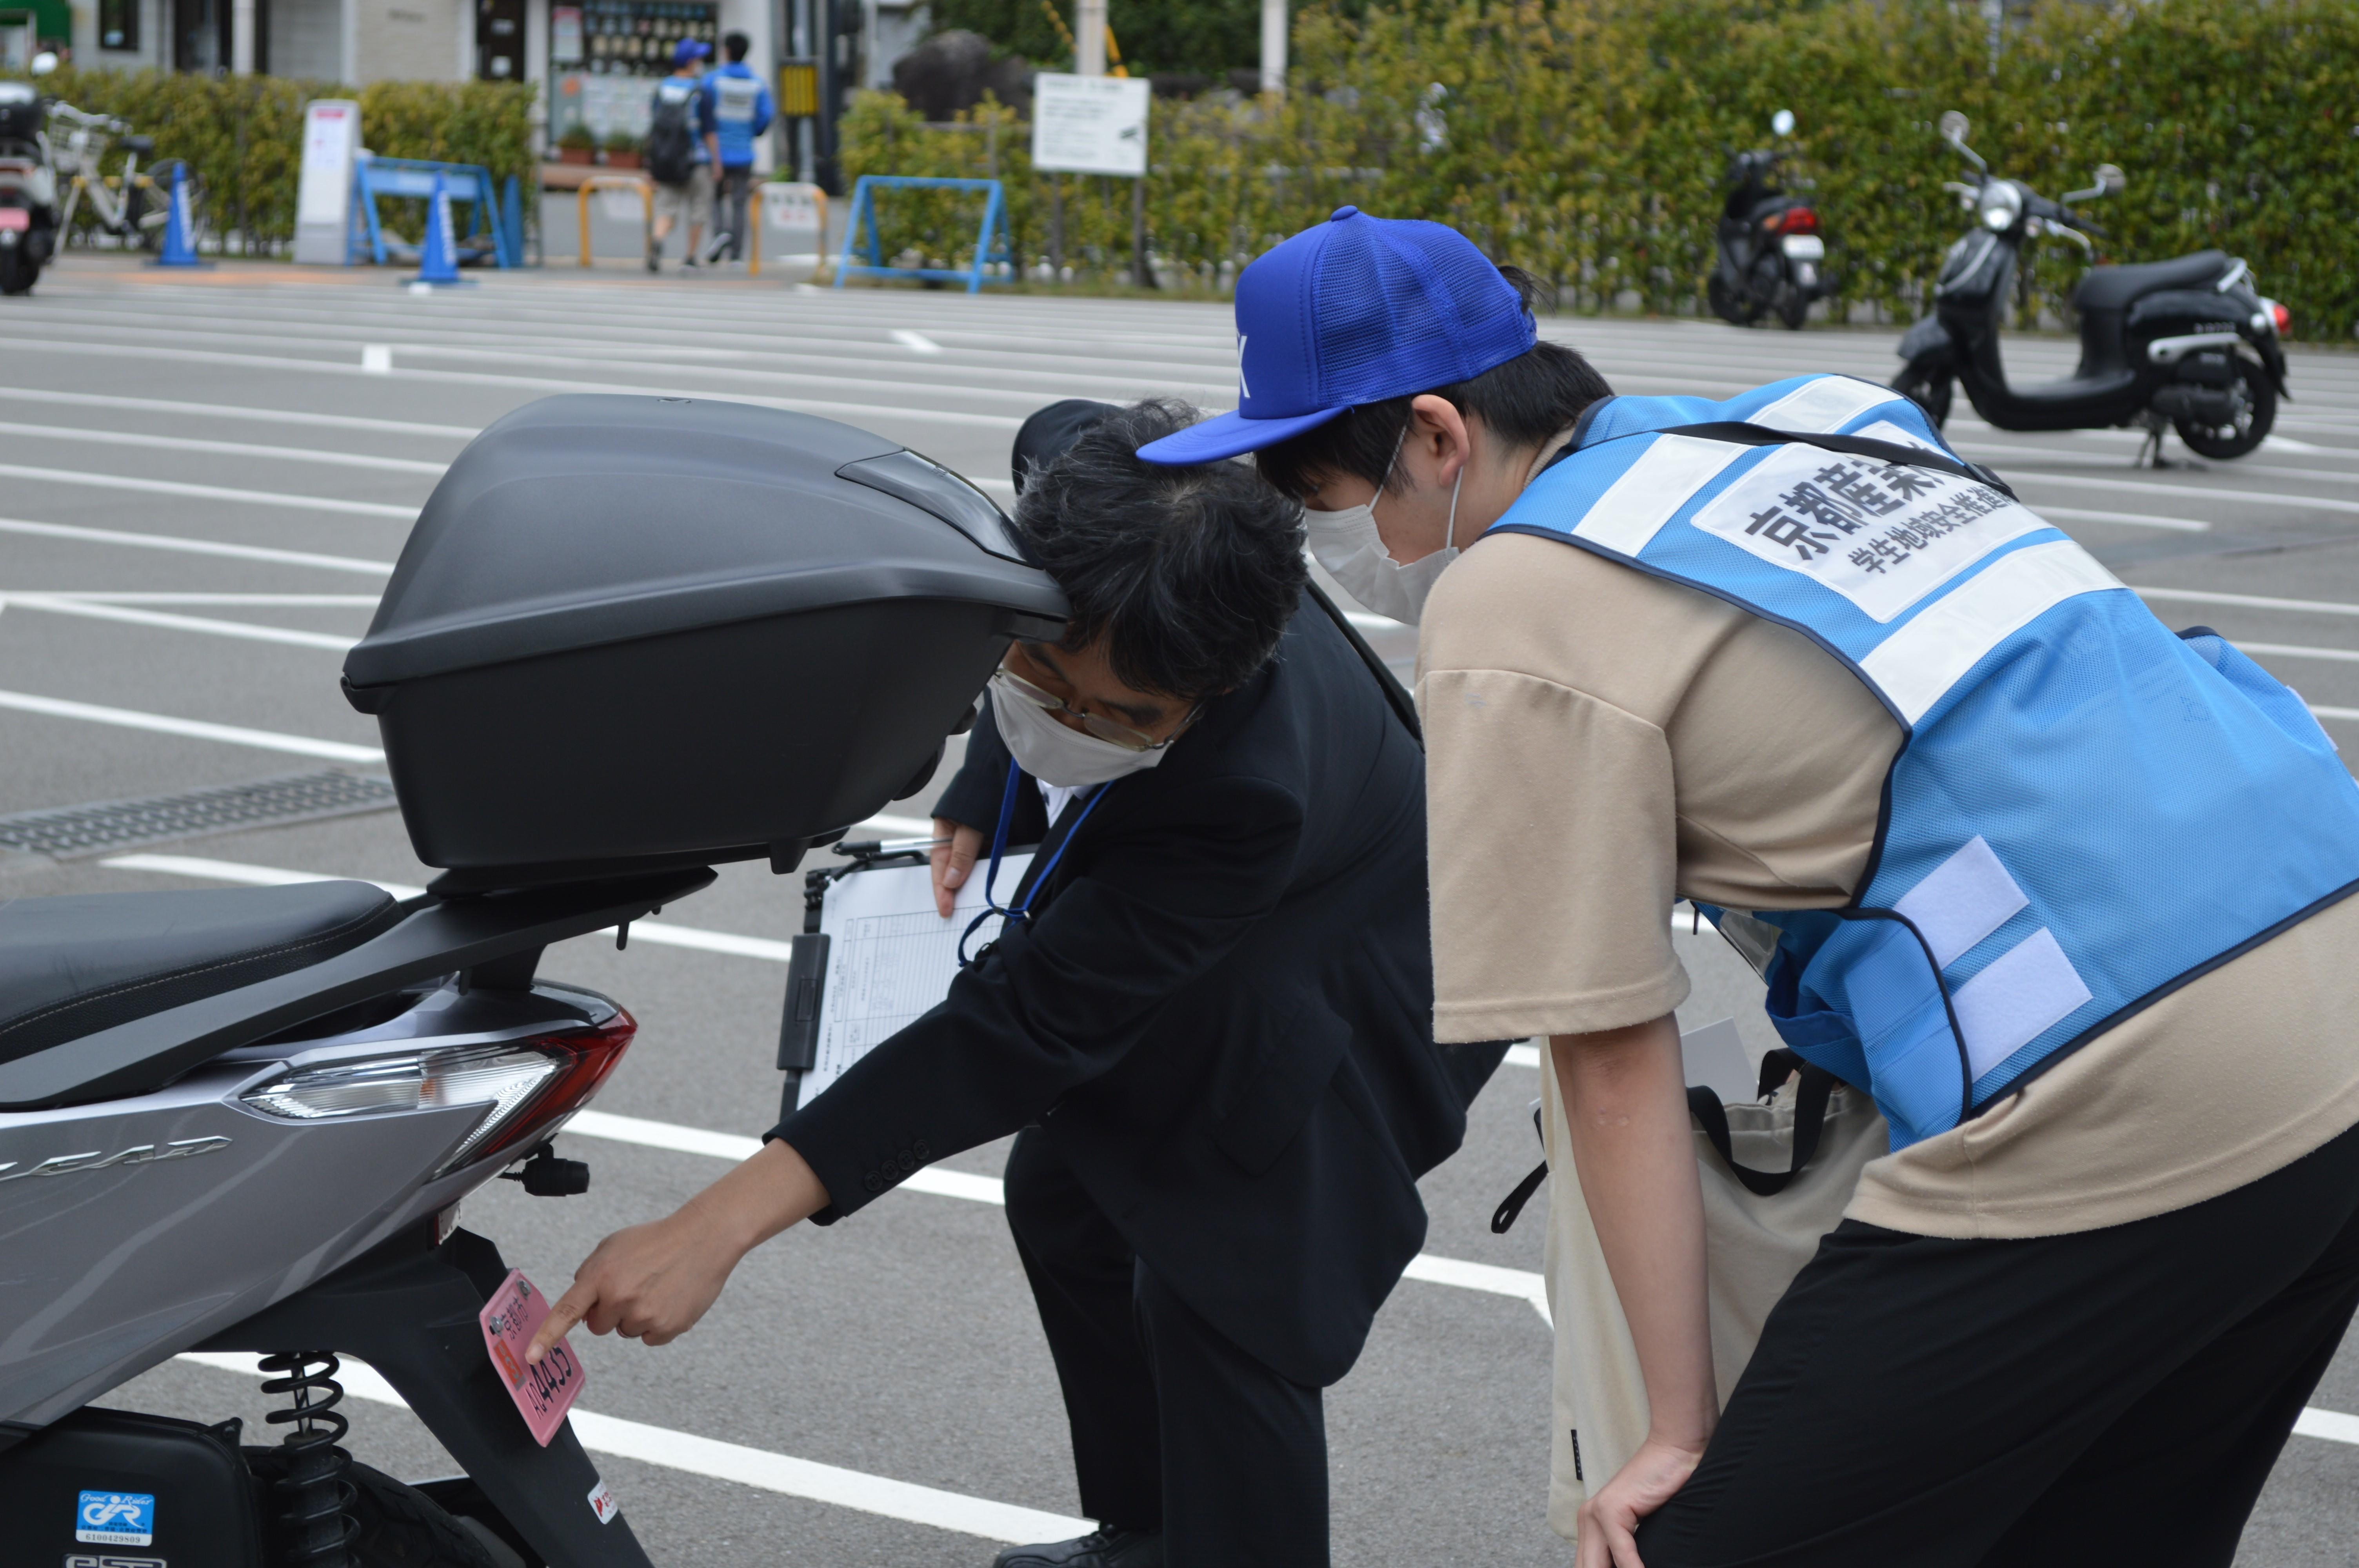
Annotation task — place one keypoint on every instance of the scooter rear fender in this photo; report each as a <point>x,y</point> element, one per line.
<point>410,1310</point>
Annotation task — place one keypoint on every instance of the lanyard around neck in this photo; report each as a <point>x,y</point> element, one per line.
<point>1022,911</point>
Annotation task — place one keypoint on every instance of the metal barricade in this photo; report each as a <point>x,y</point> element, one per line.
<point>640,183</point>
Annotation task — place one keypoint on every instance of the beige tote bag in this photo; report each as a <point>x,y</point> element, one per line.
<point>1753,1246</point>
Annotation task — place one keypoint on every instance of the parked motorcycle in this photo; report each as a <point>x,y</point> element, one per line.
<point>244,1120</point>
<point>29,188</point>
<point>1770,251</point>
<point>2188,343</point>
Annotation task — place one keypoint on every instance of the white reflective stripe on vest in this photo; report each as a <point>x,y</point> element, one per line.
<point>1651,490</point>
<point>1826,404</point>
<point>1918,665</point>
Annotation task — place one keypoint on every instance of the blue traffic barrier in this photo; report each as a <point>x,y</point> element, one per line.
<point>438,252</point>
<point>486,237</point>
<point>990,240</point>
<point>179,248</point>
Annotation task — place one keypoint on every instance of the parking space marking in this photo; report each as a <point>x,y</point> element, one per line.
<point>229,411</point>
<point>193,729</point>
<point>210,491</point>
<point>2131,519</point>
<point>2248,601</point>
<point>2182,491</point>
<point>194,547</point>
<point>917,341</point>
<point>2293,651</point>
<point>734,1462</point>
<point>223,448</point>
<point>99,610</point>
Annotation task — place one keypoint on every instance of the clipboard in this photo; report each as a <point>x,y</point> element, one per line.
<point>873,957</point>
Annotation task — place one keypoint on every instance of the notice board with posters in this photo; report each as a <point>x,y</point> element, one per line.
<point>1090,125</point>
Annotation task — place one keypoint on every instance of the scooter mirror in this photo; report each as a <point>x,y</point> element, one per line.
<point>1954,127</point>
<point>2111,179</point>
<point>43,63</point>
<point>1782,122</point>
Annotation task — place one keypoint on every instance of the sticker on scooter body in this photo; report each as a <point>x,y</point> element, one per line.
<point>115,1518</point>
<point>543,1393</point>
<point>603,1503</point>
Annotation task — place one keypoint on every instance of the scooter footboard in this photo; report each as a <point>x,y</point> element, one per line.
<point>411,1313</point>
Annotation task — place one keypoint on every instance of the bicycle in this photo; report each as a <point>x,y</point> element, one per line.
<point>132,206</point>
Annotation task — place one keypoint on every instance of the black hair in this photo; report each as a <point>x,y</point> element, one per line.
<point>1189,574</point>
<point>735,45</point>
<point>1523,403</point>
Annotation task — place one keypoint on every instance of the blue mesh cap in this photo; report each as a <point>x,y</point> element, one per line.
<point>1355,310</point>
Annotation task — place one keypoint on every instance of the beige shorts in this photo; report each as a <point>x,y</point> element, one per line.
<point>692,201</point>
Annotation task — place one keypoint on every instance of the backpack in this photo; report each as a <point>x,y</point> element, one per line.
<point>671,140</point>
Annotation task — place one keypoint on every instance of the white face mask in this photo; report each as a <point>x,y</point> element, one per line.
<point>1055,754</point>
<point>1349,546</point>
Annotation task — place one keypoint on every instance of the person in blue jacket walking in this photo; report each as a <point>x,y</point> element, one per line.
<point>2066,894</point>
<point>738,110</point>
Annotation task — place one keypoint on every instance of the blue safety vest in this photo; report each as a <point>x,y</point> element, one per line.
<point>2086,811</point>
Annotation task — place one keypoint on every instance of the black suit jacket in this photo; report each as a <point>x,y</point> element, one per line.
<point>1220,1014</point>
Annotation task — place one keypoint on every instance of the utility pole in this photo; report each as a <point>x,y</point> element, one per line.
<point>1089,38</point>
<point>1273,45</point>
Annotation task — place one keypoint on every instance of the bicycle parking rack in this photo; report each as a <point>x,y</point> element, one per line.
<point>864,210</point>
<point>488,234</point>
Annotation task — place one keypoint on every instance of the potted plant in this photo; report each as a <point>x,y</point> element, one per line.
<point>623,150</point>
<point>576,144</point>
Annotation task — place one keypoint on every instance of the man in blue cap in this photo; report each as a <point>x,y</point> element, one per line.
<point>2063,893</point>
<point>738,110</point>
<point>677,159</point>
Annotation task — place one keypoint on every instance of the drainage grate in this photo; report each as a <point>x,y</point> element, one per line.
<point>65,832</point>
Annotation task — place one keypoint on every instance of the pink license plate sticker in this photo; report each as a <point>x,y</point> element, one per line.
<point>544,1393</point>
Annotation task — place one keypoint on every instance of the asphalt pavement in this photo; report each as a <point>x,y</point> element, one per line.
<point>203,477</point>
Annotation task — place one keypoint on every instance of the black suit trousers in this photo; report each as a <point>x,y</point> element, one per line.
<point>2113,1396</point>
<point>1174,1427</point>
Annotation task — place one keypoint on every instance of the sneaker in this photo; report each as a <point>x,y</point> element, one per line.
<point>714,247</point>
<point>1100,1549</point>
<point>655,262</point>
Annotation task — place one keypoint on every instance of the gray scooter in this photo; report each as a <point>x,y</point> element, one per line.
<point>629,638</point>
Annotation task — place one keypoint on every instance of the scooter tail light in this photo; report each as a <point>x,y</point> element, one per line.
<point>1799,220</point>
<point>2282,317</point>
<point>525,1085</point>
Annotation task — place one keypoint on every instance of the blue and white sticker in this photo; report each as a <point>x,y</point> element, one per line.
<point>115,1518</point>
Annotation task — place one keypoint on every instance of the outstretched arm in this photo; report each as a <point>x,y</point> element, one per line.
<point>653,1282</point>
<point>1625,1102</point>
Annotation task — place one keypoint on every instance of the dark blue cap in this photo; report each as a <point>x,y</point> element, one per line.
<point>687,50</point>
<point>1355,310</point>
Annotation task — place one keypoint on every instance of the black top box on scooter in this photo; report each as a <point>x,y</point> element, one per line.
<point>630,633</point>
<point>20,112</point>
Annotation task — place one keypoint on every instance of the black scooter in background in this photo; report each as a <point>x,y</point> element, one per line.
<point>2186,343</point>
<point>1768,243</point>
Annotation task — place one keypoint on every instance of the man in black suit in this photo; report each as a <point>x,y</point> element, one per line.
<point>1210,1020</point>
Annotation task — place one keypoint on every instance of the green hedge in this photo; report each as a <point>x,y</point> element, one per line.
<point>242,135</point>
<point>1585,140</point>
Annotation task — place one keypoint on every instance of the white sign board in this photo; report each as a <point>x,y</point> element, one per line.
<point>1090,125</point>
<point>324,197</point>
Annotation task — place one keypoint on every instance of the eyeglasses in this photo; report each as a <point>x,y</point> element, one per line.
<point>1106,730</point>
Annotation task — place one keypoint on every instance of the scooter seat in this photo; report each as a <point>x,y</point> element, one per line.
<point>2113,287</point>
<point>73,965</point>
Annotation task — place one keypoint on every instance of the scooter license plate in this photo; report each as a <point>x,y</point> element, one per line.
<point>543,1393</point>
<point>15,218</point>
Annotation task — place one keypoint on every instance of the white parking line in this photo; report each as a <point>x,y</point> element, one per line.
<point>210,491</point>
<point>98,611</point>
<point>224,448</point>
<point>227,411</point>
<point>194,728</point>
<point>917,341</point>
<point>734,1462</point>
<point>2291,650</point>
<point>2184,492</point>
<point>2247,601</point>
<point>2133,519</point>
<point>195,546</point>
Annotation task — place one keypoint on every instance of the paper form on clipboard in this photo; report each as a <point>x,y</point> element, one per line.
<point>890,958</point>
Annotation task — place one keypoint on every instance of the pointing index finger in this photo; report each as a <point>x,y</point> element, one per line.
<point>570,1309</point>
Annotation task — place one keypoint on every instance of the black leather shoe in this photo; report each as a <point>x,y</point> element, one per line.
<point>1099,1549</point>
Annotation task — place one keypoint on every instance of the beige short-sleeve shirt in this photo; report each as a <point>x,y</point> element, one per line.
<point>1601,743</point>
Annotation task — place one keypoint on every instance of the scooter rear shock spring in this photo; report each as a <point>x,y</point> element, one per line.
<point>315,1526</point>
